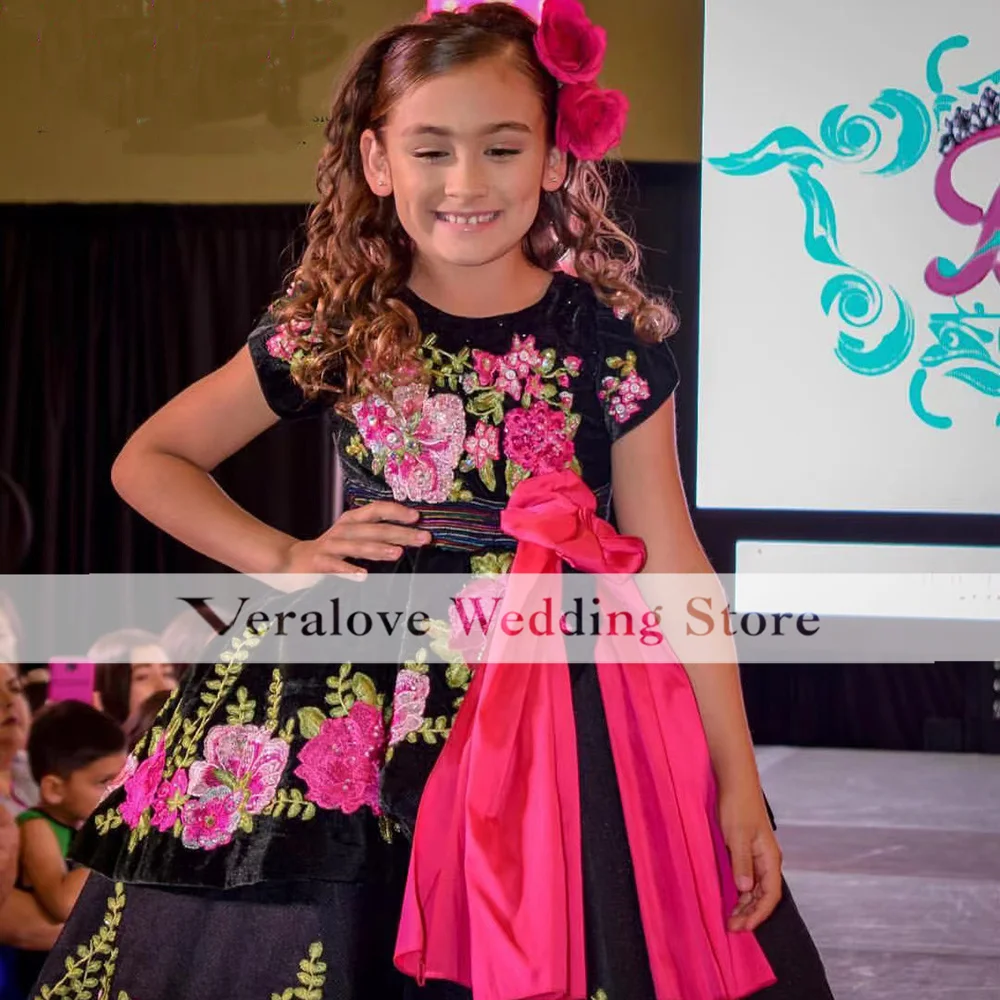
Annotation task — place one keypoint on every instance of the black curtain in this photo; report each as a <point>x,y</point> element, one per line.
<point>107,312</point>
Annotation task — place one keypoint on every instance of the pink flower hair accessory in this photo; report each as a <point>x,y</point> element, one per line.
<point>590,120</point>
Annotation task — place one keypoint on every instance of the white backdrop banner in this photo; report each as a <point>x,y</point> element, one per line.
<point>850,283</point>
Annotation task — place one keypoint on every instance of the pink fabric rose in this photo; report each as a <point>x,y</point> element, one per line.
<point>211,820</point>
<point>408,703</point>
<point>140,789</point>
<point>170,799</point>
<point>536,438</point>
<point>340,765</point>
<point>590,120</point>
<point>569,46</point>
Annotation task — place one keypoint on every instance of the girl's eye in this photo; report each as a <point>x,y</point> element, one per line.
<point>429,154</point>
<point>502,152</point>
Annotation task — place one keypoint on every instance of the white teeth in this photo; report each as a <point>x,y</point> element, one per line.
<point>468,220</point>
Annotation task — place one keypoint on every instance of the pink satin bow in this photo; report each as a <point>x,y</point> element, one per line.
<point>494,897</point>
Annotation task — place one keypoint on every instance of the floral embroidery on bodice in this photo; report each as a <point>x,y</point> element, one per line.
<point>421,441</point>
<point>499,399</point>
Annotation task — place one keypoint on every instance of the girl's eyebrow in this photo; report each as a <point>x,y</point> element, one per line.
<point>438,130</point>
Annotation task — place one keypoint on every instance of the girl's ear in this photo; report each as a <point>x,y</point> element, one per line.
<point>555,170</point>
<point>376,164</point>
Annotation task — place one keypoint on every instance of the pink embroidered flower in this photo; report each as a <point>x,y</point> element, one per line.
<point>533,387</point>
<point>573,364</point>
<point>340,765</point>
<point>170,799</point>
<point>408,703</point>
<point>245,759</point>
<point>418,438</point>
<point>536,438</point>
<point>623,397</point>
<point>590,120</point>
<point>123,775</point>
<point>281,345</point>
<point>377,424</point>
<point>523,357</point>
<point>473,615</point>
<point>566,398</point>
<point>483,444</point>
<point>569,46</point>
<point>485,365</point>
<point>563,380</point>
<point>507,378</point>
<point>140,788</point>
<point>211,820</point>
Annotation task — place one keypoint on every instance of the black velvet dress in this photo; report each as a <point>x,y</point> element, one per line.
<point>259,846</point>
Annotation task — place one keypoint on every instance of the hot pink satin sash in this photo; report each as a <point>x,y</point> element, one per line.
<point>494,897</point>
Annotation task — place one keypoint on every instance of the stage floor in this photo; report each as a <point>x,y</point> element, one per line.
<point>894,859</point>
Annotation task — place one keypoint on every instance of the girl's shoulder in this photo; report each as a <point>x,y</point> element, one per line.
<point>633,375</point>
<point>276,350</point>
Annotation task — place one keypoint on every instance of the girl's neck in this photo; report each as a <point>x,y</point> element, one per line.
<point>507,285</point>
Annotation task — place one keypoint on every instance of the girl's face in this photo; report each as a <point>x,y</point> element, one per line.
<point>466,158</point>
<point>15,715</point>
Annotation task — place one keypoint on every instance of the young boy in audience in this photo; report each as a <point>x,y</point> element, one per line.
<point>75,752</point>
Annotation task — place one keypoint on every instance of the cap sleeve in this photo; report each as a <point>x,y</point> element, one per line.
<point>634,377</point>
<point>272,351</point>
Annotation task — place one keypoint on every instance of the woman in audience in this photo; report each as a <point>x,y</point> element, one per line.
<point>131,666</point>
<point>23,923</point>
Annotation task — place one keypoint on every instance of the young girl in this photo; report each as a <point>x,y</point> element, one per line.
<point>260,845</point>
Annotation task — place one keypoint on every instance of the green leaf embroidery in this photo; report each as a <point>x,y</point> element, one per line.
<point>94,965</point>
<point>292,802</point>
<point>274,699</point>
<point>242,713</point>
<point>364,689</point>
<point>488,475</point>
<point>491,563</point>
<point>311,720</point>
<point>514,474</point>
<point>486,403</point>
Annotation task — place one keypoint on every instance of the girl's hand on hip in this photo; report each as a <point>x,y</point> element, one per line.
<point>378,531</point>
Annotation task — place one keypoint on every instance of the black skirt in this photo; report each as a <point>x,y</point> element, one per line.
<point>330,939</point>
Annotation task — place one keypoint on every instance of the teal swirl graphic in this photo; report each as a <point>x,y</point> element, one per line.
<point>965,342</point>
<point>872,339</point>
<point>858,299</point>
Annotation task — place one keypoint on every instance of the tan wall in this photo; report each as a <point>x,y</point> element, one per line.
<point>215,100</point>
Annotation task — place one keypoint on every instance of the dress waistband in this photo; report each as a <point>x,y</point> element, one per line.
<point>463,526</point>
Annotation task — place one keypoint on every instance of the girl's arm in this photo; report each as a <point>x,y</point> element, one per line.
<point>44,870</point>
<point>164,471</point>
<point>9,854</point>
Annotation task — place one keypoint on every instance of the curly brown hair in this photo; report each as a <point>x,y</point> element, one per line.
<point>342,304</point>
